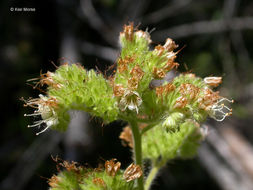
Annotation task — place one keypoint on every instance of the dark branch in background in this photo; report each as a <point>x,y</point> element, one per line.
<point>222,174</point>
<point>96,22</point>
<point>106,53</point>
<point>30,160</point>
<point>205,27</point>
<point>230,9</point>
<point>222,162</point>
<point>232,79</point>
<point>177,7</point>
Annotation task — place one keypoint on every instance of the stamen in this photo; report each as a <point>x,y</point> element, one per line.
<point>32,114</point>
<point>43,130</point>
<point>36,124</point>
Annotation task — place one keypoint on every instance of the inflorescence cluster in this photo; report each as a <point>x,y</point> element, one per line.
<point>169,113</point>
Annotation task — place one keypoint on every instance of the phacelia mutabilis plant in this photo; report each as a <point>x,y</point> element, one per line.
<point>164,119</point>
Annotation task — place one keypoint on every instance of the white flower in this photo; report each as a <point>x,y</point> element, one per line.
<point>219,111</point>
<point>131,100</point>
<point>142,34</point>
<point>45,108</point>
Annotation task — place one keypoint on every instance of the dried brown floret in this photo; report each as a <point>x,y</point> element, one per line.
<point>53,181</point>
<point>180,102</point>
<point>208,99</point>
<point>46,79</point>
<point>128,31</point>
<point>170,45</point>
<point>99,182</point>
<point>112,167</point>
<point>169,88</point>
<point>164,90</point>
<point>137,72</point>
<point>158,73</point>
<point>159,49</point>
<point>170,65</point>
<point>133,83</point>
<point>189,90</point>
<point>132,172</point>
<point>213,81</point>
<point>118,90</point>
<point>123,63</point>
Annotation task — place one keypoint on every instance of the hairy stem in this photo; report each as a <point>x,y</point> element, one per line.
<point>137,150</point>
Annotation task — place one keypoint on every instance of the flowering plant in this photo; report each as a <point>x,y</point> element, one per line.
<point>164,110</point>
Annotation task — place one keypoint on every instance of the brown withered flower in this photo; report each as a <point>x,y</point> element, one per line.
<point>53,181</point>
<point>170,45</point>
<point>158,73</point>
<point>124,62</point>
<point>189,90</point>
<point>99,182</point>
<point>180,102</point>
<point>133,83</point>
<point>142,34</point>
<point>170,65</point>
<point>208,99</point>
<point>70,166</point>
<point>159,49</point>
<point>137,72</point>
<point>112,167</point>
<point>46,79</point>
<point>169,88</point>
<point>132,172</point>
<point>164,90</point>
<point>118,90</point>
<point>128,31</point>
<point>213,81</point>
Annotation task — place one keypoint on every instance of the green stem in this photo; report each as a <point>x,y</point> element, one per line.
<point>137,150</point>
<point>151,176</point>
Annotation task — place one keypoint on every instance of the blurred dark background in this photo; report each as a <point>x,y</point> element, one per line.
<point>218,38</point>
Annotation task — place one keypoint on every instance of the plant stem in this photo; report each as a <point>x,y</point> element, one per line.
<point>137,150</point>
<point>151,176</point>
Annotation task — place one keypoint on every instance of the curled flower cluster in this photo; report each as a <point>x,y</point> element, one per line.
<point>128,91</point>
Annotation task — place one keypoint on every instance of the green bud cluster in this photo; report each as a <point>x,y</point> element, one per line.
<point>160,146</point>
